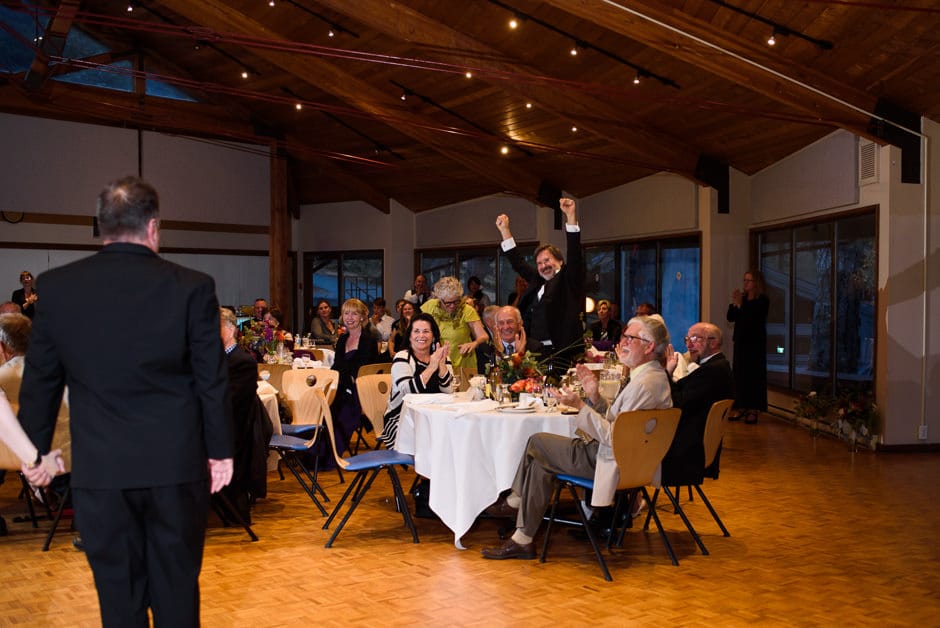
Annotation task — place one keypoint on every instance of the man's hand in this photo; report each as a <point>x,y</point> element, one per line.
<point>567,397</point>
<point>502,223</point>
<point>672,359</point>
<point>50,466</point>
<point>220,473</point>
<point>568,207</point>
<point>588,382</point>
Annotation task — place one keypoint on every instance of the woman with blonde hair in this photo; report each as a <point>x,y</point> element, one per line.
<point>355,347</point>
<point>459,322</point>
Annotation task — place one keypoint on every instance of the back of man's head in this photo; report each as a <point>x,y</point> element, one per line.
<point>126,207</point>
<point>9,307</point>
<point>14,333</point>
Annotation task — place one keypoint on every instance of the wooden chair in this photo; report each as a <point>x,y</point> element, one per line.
<point>714,432</point>
<point>374,391</point>
<point>374,369</point>
<point>366,467</point>
<point>640,440</point>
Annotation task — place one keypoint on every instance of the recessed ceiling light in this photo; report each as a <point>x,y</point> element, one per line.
<point>298,106</point>
<point>504,150</point>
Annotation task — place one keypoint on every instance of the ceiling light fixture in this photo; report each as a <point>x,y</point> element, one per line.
<point>244,74</point>
<point>779,30</point>
<point>574,50</point>
<point>469,74</point>
<point>331,33</point>
<point>270,3</point>
<point>528,105</point>
<point>513,23</point>
<point>574,129</point>
<point>504,149</point>
<point>130,7</point>
<point>298,106</point>
<point>772,40</point>
<point>404,95</point>
<point>636,79</point>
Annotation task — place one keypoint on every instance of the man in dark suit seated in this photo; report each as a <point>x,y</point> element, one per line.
<point>709,380</point>
<point>151,429</point>
<point>243,391</point>
<point>510,336</point>
<point>552,305</point>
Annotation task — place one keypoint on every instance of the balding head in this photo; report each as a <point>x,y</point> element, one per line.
<point>703,341</point>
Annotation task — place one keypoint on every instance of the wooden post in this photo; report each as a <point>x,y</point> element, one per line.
<point>280,240</point>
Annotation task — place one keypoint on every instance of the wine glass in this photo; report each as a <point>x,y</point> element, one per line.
<point>550,401</point>
<point>608,386</point>
<point>456,376</point>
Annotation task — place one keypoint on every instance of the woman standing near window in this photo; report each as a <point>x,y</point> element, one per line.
<point>748,312</point>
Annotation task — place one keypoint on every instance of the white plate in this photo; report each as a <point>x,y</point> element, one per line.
<point>518,410</point>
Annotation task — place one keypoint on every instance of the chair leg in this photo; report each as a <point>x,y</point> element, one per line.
<point>400,500</point>
<point>354,485</point>
<point>646,523</point>
<point>618,513</point>
<point>352,505</point>
<point>291,461</point>
<point>590,534</point>
<point>715,516</point>
<point>685,520</point>
<point>651,504</point>
<point>551,520</point>
<point>55,522</point>
<point>226,505</point>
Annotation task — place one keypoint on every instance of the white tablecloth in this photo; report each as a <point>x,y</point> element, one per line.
<point>470,452</point>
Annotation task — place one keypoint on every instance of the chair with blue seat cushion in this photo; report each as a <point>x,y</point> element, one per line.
<point>640,440</point>
<point>366,466</point>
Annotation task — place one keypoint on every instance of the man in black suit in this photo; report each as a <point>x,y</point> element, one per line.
<point>552,304</point>
<point>709,380</point>
<point>243,392</point>
<point>136,339</point>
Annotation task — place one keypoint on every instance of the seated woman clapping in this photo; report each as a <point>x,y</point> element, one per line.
<point>424,367</point>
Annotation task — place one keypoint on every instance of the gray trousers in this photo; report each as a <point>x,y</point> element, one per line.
<point>545,456</point>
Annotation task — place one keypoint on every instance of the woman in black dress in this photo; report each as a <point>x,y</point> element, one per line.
<point>354,348</point>
<point>25,297</point>
<point>748,312</point>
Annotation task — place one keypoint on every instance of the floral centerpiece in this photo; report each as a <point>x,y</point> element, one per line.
<point>522,371</point>
<point>857,415</point>
<point>813,407</point>
<point>261,340</point>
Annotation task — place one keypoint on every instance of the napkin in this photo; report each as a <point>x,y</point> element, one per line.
<point>470,407</point>
<point>526,400</point>
<point>429,399</point>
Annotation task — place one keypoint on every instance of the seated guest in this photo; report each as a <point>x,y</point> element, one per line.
<point>510,336</point>
<point>354,348</point>
<point>14,339</point>
<point>323,328</point>
<point>457,321</point>
<point>421,292</point>
<point>485,351</point>
<point>381,320</point>
<point>645,309</point>
<point>424,367</point>
<point>475,292</point>
<point>398,340</point>
<point>258,311</point>
<point>9,307</point>
<point>606,330</point>
<point>711,380</point>
<point>242,394</point>
<point>26,296</point>
<point>273,317</point>
<point>640,348</point>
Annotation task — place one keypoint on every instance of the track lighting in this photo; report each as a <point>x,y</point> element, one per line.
<point>772,40</point>
<point>504,150</point>
<point>636,79</point>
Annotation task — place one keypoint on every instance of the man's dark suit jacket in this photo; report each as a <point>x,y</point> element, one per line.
<point>487,350</point>
<point>695,393</point>
<point>136,339</point>
<point>564,293</point>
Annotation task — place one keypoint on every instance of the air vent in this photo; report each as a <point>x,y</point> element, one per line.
<point>867,162</point>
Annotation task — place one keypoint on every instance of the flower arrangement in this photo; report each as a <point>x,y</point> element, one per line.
<point>813,407</point>
<point>858,414</point>
<point>261,339</point>
<point>522,371</point>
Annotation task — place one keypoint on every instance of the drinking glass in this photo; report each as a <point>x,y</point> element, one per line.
<point>608,386</point>
<point>456,376</point>
<point>549,399</point>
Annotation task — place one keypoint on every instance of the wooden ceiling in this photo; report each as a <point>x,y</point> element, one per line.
<point>710,88</point>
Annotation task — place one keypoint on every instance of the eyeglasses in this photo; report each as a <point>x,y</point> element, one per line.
<point>689,339</point>
<point>630,337</point>
<point>457,302</point>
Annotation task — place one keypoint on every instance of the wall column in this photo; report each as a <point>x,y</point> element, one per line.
<point>280,239</point>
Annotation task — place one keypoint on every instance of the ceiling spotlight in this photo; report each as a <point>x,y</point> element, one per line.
<point>331,33</point>
<point>469,74</point>
<point>513,23</point>
<point>528,105</point>
<point>404,95</point>
<point>574,50</point>
<point>298,106</point>
<point>244,74</point>
<point>636,79</point>
<point>772,40</point>
<point>270,3</point>
<point>504,150</point>
<point>130,7</point>
<point>574,129</point>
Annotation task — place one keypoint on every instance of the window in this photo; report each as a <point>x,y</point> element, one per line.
<point>337,277</point>
<point>665,273</point>
<point>820,280</point>
<point>493,269</point>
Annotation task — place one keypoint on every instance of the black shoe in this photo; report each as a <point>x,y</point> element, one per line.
<point>751,417</point>
<point>78,543</point>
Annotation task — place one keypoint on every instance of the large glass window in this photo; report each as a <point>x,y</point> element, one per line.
<point>820,280</point>
<point>340,276</point>
<point>493,270</point>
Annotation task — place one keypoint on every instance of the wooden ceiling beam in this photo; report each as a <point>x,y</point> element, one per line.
<point>53,42</point>
<point>329,77</point>
<point>657,33</point>
<point>636,138</point>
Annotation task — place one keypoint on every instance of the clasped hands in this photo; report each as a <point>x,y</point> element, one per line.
<point>50,466</point>
<point>571,398</point>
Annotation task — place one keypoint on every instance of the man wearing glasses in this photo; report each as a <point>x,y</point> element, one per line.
<point>641,346</point>
<point>710,381</point>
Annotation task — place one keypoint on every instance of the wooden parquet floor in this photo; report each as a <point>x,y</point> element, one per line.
<point>820,536</point>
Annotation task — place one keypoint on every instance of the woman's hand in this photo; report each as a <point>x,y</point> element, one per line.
<point>736,298</point>
<point>467,348</point>
<point>438,360</point>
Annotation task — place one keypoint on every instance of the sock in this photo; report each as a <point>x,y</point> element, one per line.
<point>521,537</point>
<point>513,500</point>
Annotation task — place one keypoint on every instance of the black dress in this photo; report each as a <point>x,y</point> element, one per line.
<point>19,297</point>
<point>346,409</point>
<point>750,352</point>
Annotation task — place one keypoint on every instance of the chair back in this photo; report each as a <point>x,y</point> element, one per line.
<point>466,373</point>
<point>374,391</point>
<point>310,407</point>
<point>328,419</point>
<point>276,371</point>
<point>715,428</point>
<point>294,383</point>
<point>373,369</point>
<point>641,439</point>
<point>327,381</point>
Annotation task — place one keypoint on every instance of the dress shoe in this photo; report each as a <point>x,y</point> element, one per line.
<point>501,509</point>
<point>510,549</point>
<point>78,543</point>
<point>751,417</point>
